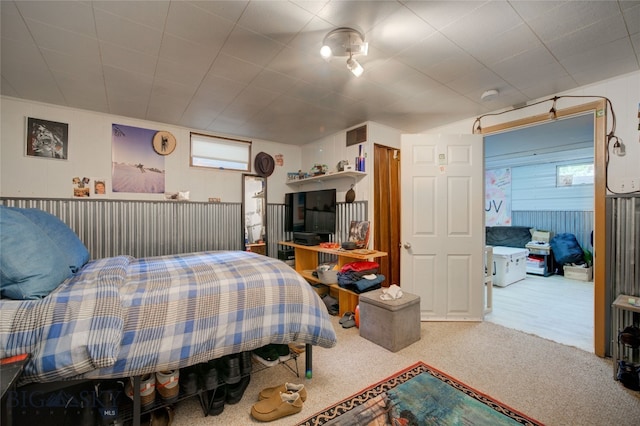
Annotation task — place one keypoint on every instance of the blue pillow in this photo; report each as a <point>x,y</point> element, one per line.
<point>31,265</point>
<point>67,241</point>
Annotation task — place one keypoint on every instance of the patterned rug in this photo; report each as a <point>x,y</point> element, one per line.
<point>419,395</point>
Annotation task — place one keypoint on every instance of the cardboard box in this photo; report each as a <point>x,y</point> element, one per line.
<point>578,273</point>
<point>540,235</point>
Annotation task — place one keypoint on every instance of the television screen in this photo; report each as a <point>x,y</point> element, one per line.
<point>320,211</point>
<point>294,212</point>
<point>311,211</point>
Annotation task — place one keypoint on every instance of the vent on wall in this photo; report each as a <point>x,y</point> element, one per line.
<point>357,135</point>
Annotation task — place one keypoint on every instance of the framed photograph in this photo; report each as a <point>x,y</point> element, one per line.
<point>48,139</point>
<point>359,233</point>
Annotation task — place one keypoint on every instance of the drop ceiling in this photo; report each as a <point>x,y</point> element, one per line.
<point>253,69</point>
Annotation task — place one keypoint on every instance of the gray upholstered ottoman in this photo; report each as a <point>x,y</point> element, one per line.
<point>392,324</point>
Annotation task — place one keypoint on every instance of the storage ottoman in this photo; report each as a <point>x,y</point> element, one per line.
<point>392,324</point>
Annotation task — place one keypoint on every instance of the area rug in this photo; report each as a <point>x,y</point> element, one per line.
<point>419,395</point>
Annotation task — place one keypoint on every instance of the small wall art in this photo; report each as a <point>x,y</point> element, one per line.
<point>48,139</point>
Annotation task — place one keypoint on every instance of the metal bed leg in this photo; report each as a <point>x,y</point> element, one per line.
<point>136,401</point>
<point>308,355</point>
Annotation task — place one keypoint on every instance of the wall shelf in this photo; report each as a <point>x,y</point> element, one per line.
<point>329,176</point>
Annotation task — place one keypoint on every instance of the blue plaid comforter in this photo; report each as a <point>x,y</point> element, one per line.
<point>123,316</point>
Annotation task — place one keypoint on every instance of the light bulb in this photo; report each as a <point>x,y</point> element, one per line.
<point>355,67</point>
<point>325,52</point>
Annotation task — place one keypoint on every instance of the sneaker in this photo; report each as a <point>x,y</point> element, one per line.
<point>246,363</point>
<point>235,392</point>
<point>267,355</point>
<point>283,352</point>
<point>230,369</point>
<point>210,377</point>
<point>216,400</point>
<point>147,390</point>
<point>167,385</point>
<point>189,381</point>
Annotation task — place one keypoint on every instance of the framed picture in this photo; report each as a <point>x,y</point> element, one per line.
<point>359,233</point>
<point>48,139</point>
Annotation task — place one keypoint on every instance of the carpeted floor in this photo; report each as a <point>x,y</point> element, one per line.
<point>550,382</point>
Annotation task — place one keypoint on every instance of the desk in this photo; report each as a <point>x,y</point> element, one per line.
<point>620,306</point>
<point>306,261</point>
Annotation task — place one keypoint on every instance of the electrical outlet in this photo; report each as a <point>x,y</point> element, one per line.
<point>633,184</point>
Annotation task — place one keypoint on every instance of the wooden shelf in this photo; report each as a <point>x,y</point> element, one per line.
<point>306,260</point>
<point>328,176</point>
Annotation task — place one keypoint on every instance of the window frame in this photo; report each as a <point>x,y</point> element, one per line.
<point>220,140</point>
<point>561,184</point>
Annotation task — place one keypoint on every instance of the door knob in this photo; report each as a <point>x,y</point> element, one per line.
<point>407,245</point>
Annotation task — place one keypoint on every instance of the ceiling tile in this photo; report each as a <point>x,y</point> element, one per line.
<point>440,14</point>
<point>251,47</point>
<point>523,70</point>
<point>74,16</point>
<point>483,27</point>
<point>182,51</point>
<point>120,57</point>
<point>61,40</point>
<point>151,14</point>
<point>235,69</point>
<point>191,23</point>
<point>599,33</point>
<point>399,31</point>
<point>279,21</point>
<point>362,16</point>
<point>12,25</point>
<point>575,15</point>
<point>129,34</point>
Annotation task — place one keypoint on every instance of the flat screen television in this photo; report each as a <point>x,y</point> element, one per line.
<point>311,211</point>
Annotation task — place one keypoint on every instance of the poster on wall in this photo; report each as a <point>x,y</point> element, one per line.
<point>497,197</point>
<point>136,167</point>
<point>48,139</point>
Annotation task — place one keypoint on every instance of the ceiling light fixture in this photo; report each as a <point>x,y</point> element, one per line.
<point>345,42</point>
<point>489,95</point>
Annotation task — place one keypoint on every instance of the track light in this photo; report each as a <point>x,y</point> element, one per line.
<point>345,42</point>
<point>355,67</point>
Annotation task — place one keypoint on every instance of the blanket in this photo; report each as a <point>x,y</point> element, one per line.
<point>123,316</point>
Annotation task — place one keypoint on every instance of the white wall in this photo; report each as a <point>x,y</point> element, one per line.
<point>90,156</point>
<point>333,149</point>
<point>624,93</point>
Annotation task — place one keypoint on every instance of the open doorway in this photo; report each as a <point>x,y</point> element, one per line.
<point>596,111</point>
<point>528,186</point>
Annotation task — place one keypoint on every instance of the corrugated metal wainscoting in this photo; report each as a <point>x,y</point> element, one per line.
<point>345,213</point>
<point>152,228</point>
<point>623,252</point>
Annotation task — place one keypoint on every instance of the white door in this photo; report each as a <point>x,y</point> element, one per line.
<point>442,208</point>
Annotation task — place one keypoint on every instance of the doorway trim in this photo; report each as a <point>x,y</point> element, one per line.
<point>599,109</point>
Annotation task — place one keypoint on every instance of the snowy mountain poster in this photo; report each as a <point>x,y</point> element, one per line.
<point>135,166</point>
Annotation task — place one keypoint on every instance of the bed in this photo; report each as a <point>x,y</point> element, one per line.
<point>123,317</point>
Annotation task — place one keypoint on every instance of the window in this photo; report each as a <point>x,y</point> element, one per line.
<point>220,153</point>
<point>574,174</point>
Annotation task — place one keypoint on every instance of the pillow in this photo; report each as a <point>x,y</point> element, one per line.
<point>67,241</point>
<point>31,265</point>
